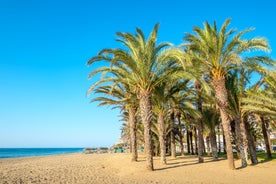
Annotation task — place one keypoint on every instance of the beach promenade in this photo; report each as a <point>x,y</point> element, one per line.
<point>117,168</point>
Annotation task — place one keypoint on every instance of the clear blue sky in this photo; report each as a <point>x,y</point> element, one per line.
<point>45,44</point>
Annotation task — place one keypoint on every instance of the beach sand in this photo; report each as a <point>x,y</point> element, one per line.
<point>117,168</point>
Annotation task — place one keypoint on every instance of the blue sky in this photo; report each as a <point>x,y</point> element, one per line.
<point>45,44</point>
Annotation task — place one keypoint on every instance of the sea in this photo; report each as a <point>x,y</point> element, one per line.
<point>30,152</point>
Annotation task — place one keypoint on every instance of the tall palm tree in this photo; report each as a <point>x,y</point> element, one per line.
<point>166,94</point>
<point>199,122</point>
<point>236,86</point>
<point>121,97</point>
<point>180,101</point>
<point>191,63</point>
<point>262,102</point>
<point>184,106</point>
<point>160,108</point>
<point>211,120</point>
<point>172,132</point>
<point>250,137</point>
<point>219,51</point>
<point>180,132</point>
<point>143,65</point>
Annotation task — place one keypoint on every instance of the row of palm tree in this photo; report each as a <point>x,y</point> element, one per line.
<point>156,83</point>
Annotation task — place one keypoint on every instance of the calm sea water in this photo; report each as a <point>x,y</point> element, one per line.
<point>26,152</point>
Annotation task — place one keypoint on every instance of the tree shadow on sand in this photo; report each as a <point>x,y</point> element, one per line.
<point>184,161</point>
<point>262,159</point>
<point>188,160</point>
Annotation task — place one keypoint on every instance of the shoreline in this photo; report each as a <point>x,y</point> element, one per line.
<point>117,168</point>
<point>6,153</point>
<point>38,156</point>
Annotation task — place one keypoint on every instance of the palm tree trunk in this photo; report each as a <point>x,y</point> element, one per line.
<point>173,149</point>
<point>233,132</point>
<point>240,141</point>
<point>251,143</point>
<point>180,133</point>
<point>244,139</point>
<point>222,102</point>
<point>196,145</point>
<point>208,145</point>
<point>266,138</point>
<point>191,142</point>
<point>168,144</point>
<point>133,133</point>
<point>188,140</point>
<point>245,142</point>
<point>219,140</point>
<point>162,141</point>
<point>200,141</point>
<point>214,144</point>
<point>199,124</point>
<point>146,116</point>
<point>224,143</point>
<point>155,146</point>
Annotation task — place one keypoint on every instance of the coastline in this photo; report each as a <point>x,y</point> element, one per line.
<point>37,156</point>
<point>117,168</point>
<point>32,152</point>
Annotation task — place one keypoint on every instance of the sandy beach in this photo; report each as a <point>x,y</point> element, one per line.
<point>117,168</point>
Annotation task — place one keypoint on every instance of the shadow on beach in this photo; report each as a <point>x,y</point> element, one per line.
<point>179,161</point>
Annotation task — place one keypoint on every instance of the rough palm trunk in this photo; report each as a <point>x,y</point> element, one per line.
<point>251,143</point>
<point>196,145</point>
<point>219,140</point>
<point>224,143</point>
<point>168,143</point>
<point>173,149</point>
<point>199,124</point>
<point>233,132</point>
<point>146,116</point>
<point>191,142</point>
<point>244,139</point>
<point>208,145</point>
<point>162,137</point>
<point>188,141</point>
<point>200,141</point>
<point>214,144</point>
<point>155,146</point>
<point>180,133</point>
<point>266,138</point>
<point>133,133</point>
<point>240,141</point>
<point>222,102</point>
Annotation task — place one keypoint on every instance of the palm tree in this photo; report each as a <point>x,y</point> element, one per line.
<point>236,86</point>
<point>180,100</point>
<point>180,132</point>
<point>167,95</point>
<point>211,120</point>
<point>160,108</point>
<point>184,107</point>
<point>143,65</point>
<point>250,137</point>
<point>262,102</point>
<point>121,97</point>
<point>192,64</point>
<point>199,122</point>
<point>219,53</point>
